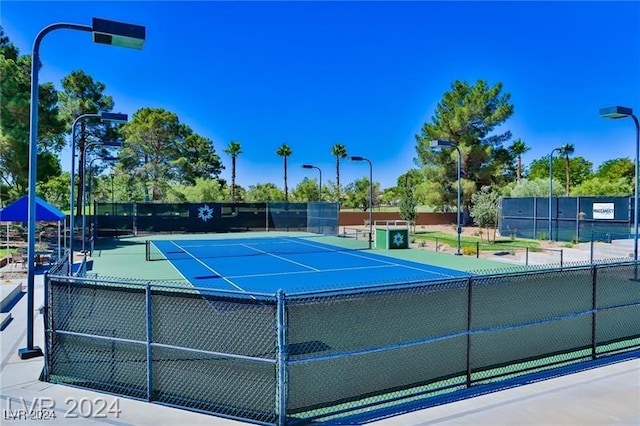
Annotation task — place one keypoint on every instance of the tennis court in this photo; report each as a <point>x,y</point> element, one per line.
<point>294,264</point>
<point>355,331</point>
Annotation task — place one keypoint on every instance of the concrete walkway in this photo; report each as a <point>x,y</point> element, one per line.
<point>608,395</point>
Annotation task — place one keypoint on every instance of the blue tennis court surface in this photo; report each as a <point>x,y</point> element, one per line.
<point>265,265</point>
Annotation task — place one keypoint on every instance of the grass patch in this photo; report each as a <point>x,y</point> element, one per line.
<point>4,252</point>
<point>499,245</point>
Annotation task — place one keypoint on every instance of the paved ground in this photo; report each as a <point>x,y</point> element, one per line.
<point>608,395</point>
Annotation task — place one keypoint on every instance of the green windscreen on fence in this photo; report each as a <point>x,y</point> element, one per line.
<point>376,344</point>
<point>114,219</point>
<point>323,218</point>
<point>318,356</point>
<point>169,218</point>
<point>209,352</point>
<point>572,218</point>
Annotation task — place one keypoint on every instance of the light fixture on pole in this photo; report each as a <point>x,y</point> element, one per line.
<point>448,144</point>
<point>357,158</point>
<point>310,166</point>
<point>120,34</point>
<point>106,117</point>
<point>84,172</point>
<point>551,190</point>
<point>617,112</point>
<point>105,32</point>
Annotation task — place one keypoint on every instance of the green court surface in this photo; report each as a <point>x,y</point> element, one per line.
<point>124,258</point>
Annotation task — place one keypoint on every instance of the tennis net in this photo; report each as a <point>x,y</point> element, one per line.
<point>202,249</point>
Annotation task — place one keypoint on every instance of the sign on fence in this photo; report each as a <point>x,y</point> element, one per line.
<point>604,211</point>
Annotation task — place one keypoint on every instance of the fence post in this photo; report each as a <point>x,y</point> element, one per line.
<point>561,252</point>
<point>134,219</point>
<point>469,318</point>
<point>526,256</point>
<point>535,217</point>
<point>115,209</point>
<point>47,328</point>
<point>477,249</point>
<point>591,249</point>
<point>94,220</point>
<point>281,361</point>
<point>578,219</point>
<point>149,340</point>
<point>266,216</point>
<point>594,307</point>
<point>436,244</point>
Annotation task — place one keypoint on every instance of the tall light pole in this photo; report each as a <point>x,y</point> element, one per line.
<point>104,32</point>
<point>448,144</point>
<point>113,209</point>
<point>616,112</point>
<point>357,158</point>
<point>104,115</point>
<point>551,190</point>
<point>310,166</point>
<point>89,192</point>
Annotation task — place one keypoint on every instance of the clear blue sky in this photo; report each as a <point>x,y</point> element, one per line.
<point>367,75</point>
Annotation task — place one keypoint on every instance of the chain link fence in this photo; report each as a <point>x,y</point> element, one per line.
<point>322,356</point>
<point>196,349</point>
<point>121,219</point>
<point>323,218</point>
<point>568,219</point>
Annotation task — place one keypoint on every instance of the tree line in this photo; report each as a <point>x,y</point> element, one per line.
<point>163,159</point>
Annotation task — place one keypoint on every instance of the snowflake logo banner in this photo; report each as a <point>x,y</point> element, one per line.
<point>205,213</point>
<point>204,217</point>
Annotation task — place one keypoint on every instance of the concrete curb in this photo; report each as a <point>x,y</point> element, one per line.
<point>5,318</point>
<point>9,293</point>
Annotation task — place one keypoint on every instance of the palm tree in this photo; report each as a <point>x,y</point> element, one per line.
<point>518,148</point>
<point>339,151</point>
<point>566,150</point>
<point>285,151</point>
<point>234,149</point>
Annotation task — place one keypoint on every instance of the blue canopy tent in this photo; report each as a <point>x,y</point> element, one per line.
<point>18,211</point>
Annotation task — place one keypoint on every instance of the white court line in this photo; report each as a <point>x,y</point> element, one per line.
<point>210,268</point>
<point>281,258</point>
<point>375,260</point>
<point>178,270</point>
<point>277,274</point>
<point>233,244</point>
